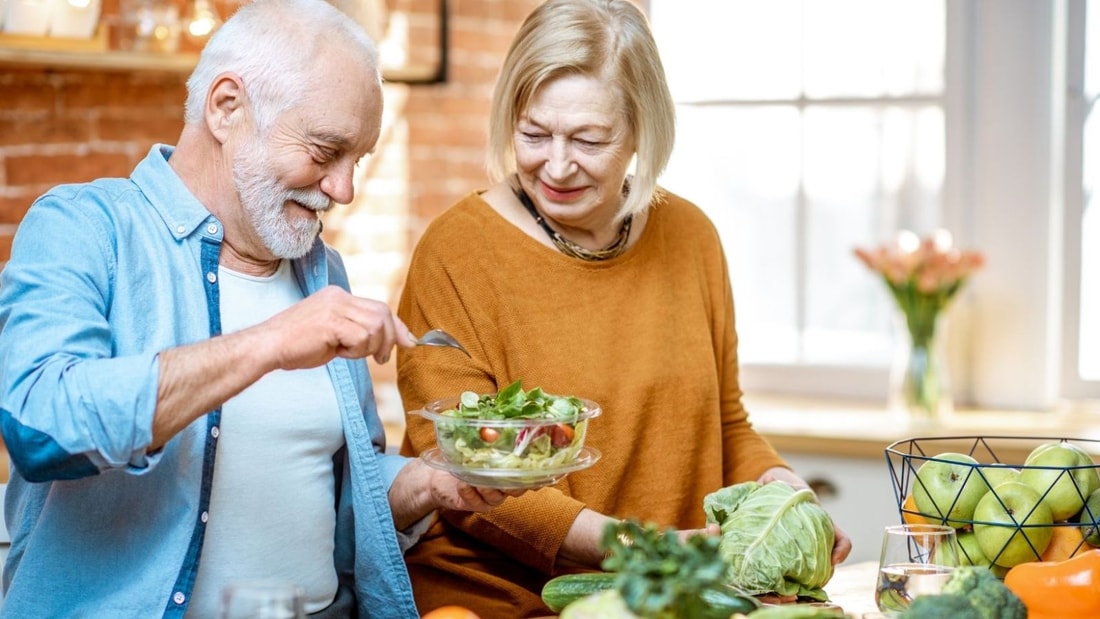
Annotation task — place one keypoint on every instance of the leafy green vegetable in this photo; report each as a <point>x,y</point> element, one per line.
<point>513,402</point>
<point>660,577</point>
<point>521,429</point>
<point>775,539</point>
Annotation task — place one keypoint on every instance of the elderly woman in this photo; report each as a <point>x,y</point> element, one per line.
<point>579,275</point>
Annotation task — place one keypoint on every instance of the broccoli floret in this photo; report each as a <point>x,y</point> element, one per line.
<point>972,592</point>
<point>986,593</point>
<point>942,606</point>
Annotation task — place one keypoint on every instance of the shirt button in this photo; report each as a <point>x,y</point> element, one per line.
<point>180,229</point>
<point>211,228</point>
<point>215,431</point>
<point>211,277</point>
<point>204,517</point>
<point>178,597</point>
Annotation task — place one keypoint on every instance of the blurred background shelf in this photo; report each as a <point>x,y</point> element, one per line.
<point>87,54</point>
<point>96,60</point>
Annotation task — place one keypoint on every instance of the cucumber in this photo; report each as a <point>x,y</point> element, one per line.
<point>560,591</point>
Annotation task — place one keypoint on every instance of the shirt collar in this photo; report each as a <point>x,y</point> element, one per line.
<point>180,210</point>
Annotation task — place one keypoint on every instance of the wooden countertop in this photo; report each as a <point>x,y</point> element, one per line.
<point>852,587</point>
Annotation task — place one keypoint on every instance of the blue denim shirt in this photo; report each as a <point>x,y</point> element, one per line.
<point>102,277</point>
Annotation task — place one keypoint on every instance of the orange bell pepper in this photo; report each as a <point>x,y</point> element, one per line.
<point>1059,589</point>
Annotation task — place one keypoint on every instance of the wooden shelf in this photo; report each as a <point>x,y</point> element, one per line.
<point>87,54</point>
<point>97,60</point>
<point>95,55</point>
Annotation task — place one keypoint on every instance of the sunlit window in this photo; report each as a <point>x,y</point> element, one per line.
<point>1089,325</point>
<point>805,128</point>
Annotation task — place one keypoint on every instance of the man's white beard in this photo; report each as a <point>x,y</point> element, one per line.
<point>263,200</point>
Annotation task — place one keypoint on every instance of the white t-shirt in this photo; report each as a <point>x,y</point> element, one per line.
<point>272,508</point>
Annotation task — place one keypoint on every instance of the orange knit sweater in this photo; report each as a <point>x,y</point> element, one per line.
<point>648,335</point>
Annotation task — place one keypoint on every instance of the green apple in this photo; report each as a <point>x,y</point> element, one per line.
<point>947,488</point>
<point>1090,519</point>
<point>969,550</point>
<point>1063,474</point>
<point>997,474</point>
<point>1011,524</point>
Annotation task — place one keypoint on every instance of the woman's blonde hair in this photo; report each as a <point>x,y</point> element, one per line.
<point>607,39</point>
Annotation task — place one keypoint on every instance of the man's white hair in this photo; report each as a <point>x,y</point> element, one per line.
<point>272,45</point>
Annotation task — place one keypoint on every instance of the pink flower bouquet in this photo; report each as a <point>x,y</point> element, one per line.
<point>923,275</point>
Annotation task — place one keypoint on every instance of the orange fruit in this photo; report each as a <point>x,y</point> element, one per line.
<point>1066,541</point>
<point>451,612</point>
<point>910,514</point>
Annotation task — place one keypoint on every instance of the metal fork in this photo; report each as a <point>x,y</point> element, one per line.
<point>439,337</point>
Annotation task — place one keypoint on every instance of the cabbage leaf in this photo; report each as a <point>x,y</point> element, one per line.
<point>775,539</point>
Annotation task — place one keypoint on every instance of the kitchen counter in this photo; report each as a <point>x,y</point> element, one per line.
<point>852,587</point>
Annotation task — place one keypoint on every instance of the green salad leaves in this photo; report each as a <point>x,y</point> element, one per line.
<point>514,429</point>
<point>513,402</point>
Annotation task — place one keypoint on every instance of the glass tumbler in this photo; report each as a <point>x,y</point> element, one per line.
<point>916,559</point>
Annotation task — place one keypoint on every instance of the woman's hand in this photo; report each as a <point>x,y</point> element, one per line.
<point>581,547</point>
<point>710,529</point>
<point>842,546</point>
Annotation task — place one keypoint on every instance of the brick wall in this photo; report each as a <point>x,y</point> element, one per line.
<point>73,127</point>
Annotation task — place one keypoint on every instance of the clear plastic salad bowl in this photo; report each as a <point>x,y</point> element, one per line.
<point>530,439</point>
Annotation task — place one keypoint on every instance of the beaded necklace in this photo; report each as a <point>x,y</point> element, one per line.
<point>569,248</point>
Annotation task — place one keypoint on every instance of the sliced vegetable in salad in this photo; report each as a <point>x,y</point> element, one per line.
<point>514,428</point>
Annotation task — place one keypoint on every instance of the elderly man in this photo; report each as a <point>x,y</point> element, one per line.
<point>183,388</point>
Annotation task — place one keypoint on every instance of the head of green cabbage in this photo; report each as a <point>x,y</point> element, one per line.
<point>775,539</point>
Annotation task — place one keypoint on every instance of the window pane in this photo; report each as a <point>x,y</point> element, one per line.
<point>783,49</point>
<point>747,182</point>
<point>869,171</point>
<point>1092,54</point>
<point>1088,345</point>
<point>795,183</point>
<point>1088,341</point>
<point>744,49</point>
<point>871,48</point>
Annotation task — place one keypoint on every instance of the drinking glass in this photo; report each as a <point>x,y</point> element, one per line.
<point>916,559</point>
<point>261,599</point>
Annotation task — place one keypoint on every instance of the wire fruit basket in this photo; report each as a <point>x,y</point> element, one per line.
<point>963,483</point>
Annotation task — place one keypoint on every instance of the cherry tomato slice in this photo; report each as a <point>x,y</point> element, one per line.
<point>489,435</point>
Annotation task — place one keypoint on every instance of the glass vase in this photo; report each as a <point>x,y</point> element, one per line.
<point>920,383</point>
